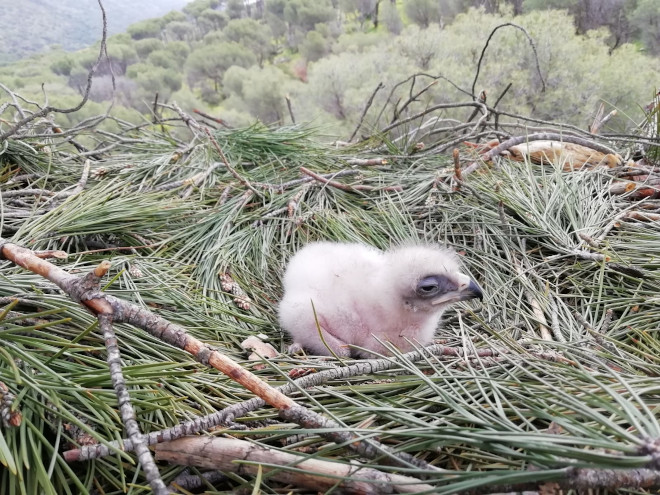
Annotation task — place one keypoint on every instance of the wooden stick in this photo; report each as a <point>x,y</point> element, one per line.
<point>123,311</point>
<point>318,474</point>
<point>345,187</point>
<point>288,105</point>
<point>457,167</point>
<point>210,117</point>
<point>126,408</point>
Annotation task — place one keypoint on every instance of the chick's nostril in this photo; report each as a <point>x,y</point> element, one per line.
<point>463,282</point>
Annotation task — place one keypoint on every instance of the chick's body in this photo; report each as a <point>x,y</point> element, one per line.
<point>359,295</point>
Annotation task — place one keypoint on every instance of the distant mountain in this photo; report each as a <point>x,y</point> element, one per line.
<point>31,26</point>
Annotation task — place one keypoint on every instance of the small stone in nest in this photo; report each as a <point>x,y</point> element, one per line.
<point>260,348</point>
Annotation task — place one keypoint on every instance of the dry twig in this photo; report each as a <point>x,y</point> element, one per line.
<point>366,109</point>
<point>490,36</point>
<point>227,416</point>
<point>345,187</point>
<point>317,474</point>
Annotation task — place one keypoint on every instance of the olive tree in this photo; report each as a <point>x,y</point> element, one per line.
<point>211,62</point>
<point>254,35</point>
<point>261,92</point>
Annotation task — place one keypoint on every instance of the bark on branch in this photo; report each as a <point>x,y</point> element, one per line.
<point>317,474</point>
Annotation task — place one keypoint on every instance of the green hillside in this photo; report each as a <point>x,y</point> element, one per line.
<point>31,26</point>
<point>306,60</point>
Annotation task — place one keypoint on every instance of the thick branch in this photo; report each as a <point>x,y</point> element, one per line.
<point>126,409</point>
<point>229,414</point>
<point>123,311</point>
<point>316,474</point>
<point>584,479</point>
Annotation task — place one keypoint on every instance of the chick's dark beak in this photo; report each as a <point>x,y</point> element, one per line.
<point>474,291</point>
<point>469,289</point>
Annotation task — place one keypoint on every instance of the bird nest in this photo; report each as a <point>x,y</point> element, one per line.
<point>549,383</point>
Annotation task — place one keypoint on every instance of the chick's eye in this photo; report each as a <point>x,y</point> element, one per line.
<point>428,286</point>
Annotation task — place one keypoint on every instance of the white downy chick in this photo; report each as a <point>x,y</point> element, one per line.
<point>360,294</point>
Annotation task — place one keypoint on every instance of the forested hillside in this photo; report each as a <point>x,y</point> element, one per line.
<point>309,60</point>
<point>30,26</point>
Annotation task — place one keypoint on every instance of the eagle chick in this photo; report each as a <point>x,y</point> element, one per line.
<point>358,295</point>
